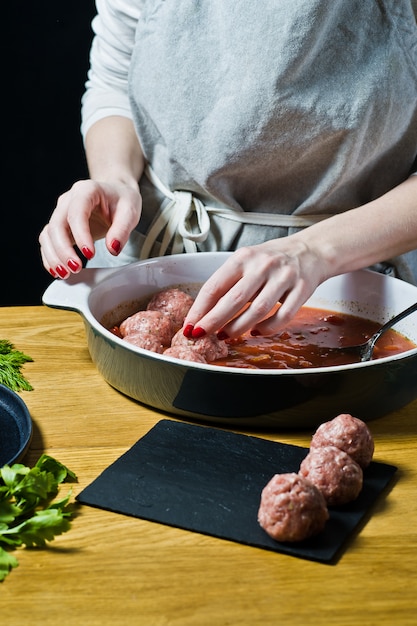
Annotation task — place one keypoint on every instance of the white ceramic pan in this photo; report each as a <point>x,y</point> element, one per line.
<point>275,398</point>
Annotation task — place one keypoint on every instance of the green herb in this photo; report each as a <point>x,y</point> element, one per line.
<point>29,514</point>
<point>11,363</point>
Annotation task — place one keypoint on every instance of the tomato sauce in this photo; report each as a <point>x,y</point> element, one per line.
<point>300,344</point>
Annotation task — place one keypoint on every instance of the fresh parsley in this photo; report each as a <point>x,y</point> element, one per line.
<point>30,513</point>
<point>11,363</point>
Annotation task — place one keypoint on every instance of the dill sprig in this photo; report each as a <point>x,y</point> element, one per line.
<point>11,363</point>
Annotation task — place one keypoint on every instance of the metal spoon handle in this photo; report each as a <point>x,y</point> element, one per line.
<point>394,320</point>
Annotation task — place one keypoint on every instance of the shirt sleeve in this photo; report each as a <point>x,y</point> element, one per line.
<point>106,88</point>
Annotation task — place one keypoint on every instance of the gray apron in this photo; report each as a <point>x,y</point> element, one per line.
<point>261,118</point>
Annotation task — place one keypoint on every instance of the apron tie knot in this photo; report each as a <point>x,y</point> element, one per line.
<point>174,220</point>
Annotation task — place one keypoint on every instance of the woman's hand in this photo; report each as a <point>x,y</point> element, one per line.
<point>91,209</point>
<point>88,211</point>
<point>243,294</point>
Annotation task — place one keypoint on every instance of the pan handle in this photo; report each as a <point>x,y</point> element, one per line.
<point>73,292</point>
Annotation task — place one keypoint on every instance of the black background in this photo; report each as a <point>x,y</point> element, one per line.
<point>45,61</point>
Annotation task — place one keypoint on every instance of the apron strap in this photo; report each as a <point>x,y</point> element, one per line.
<point>174,218</point>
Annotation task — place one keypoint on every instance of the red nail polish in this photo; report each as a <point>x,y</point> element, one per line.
<point>255,332</point>
<point>116,246</point>
<point>73,265</point>
<point>188,331</point>
<point>87,252</point>
<point>61,271</point>
<point>52,272</point>
<point>222,335</point>
<point>198,332</point>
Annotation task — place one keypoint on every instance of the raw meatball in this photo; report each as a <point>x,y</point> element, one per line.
<point>334,472</point>
<point>292,508</point>
<point>349,434</point>
<point>151,330</point>
<point>185,353</point>
<point>173,301</point>
<point>146,341</point>
<point>209,346</point>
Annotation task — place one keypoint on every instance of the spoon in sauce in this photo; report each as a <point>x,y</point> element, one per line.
<point>365,350</point>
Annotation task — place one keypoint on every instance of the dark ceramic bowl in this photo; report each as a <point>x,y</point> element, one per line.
<point>15,427</point>
<point>280,399</point>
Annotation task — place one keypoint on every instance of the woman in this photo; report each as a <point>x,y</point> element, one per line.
<point>286,131</point>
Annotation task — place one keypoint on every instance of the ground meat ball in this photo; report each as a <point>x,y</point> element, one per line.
<point>146,341</point>
<point>151,330</point>
<point>349,434</point>
<point>292,508</point>
<point>334,472</point>
<point>175,302</point>
<point>185,353</point>
<point>209,346</point>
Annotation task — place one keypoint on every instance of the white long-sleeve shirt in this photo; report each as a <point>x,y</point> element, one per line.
<point>107,83</point>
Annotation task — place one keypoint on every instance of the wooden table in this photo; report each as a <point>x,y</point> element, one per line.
<point>112,569</point>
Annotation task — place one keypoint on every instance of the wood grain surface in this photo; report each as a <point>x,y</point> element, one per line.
<point>113,569</point>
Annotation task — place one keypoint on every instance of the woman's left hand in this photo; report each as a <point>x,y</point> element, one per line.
<point>243,293</point>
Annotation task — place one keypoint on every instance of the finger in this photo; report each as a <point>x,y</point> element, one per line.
<point>222,304</point>
<point>58,264</point>
<point>87,215</point>
<point>290,303</point>
<point>262,307</point>
<point>50,267</point>
<point>126,218</point>
<point>210,295</point>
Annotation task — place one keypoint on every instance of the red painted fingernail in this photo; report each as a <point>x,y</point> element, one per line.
<point>61,271</point>
<point>255,332</point>
<point>87,253</point>
<point>52,272</point>
<point>116,246</point>
<point>222,335</point>
<point>188,331</point>
<point>73,265</point>
<point>198,332</point>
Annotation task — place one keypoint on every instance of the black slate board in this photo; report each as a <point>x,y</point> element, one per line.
<point>209,481</point>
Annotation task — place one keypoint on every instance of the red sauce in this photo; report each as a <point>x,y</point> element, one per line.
<point>301,343</point>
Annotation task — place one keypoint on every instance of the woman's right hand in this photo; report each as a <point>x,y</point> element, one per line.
<point>90,210</point>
